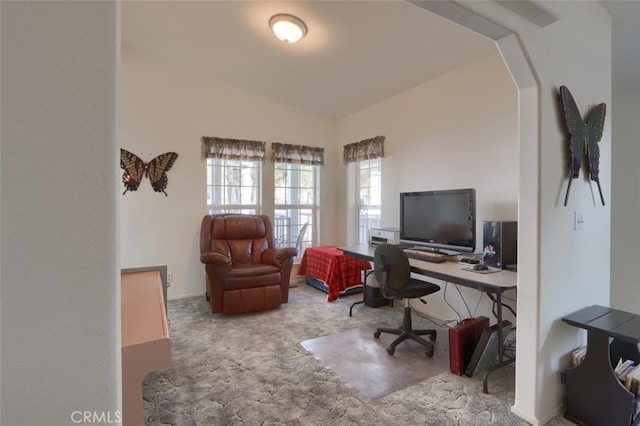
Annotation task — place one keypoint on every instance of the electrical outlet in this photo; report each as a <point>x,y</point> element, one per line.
<point>578,221</point>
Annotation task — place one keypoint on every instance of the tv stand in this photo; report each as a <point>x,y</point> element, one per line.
<point>425,249</point>
<point>435,250</point>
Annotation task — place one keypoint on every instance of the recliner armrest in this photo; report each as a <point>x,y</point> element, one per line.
<point>215,258</point>
<point>276,256</point>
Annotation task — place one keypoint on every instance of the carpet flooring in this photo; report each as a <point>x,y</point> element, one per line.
<point>252,369</point>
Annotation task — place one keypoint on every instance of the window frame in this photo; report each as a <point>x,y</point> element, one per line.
<point>216,166</point>
<point>293,172</point>
<point>363,226</point>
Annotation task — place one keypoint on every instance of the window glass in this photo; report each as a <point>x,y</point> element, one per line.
<point>295,191</point>
<point>369,182</point>
<point>233,186</point>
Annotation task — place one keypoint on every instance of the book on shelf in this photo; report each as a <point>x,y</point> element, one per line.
<point>622,368</point>
<point>632,383</point>
<point>577,356</point>
<point>485,354</point>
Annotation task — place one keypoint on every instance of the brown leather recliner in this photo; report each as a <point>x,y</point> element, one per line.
<point>245,271</point>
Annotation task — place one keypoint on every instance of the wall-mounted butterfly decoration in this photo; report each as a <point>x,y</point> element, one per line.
<point>135,168</point>
<point>585,136</point>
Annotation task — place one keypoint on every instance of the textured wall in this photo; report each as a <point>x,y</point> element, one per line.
<point>60,293</point>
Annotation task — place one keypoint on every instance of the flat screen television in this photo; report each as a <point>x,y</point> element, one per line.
<point>439,220</point>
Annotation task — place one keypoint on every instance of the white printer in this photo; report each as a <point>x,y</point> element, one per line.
<point>377,236</point>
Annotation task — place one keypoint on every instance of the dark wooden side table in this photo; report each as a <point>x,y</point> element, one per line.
<point>594,395</point>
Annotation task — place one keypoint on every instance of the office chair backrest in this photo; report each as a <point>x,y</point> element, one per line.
<point>392,269</point>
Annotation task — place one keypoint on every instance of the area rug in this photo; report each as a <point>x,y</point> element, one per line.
<point>362,363</point>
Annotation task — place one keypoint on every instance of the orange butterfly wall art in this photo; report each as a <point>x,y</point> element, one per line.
<point>156,170</point>
<point>585,136</point>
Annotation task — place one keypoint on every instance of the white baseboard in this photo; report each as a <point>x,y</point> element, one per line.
<point>185,296</point>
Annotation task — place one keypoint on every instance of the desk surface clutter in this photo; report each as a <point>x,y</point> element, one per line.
<point>337,270</point>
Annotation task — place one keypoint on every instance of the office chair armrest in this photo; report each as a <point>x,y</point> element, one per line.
<point>276,256</point>
<point>215,258</point>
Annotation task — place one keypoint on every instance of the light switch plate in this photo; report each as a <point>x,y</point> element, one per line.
<point>578,221</point>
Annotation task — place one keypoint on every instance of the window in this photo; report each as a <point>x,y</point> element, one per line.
<point>367,155</point>
<point>233,186</point>
<point>234,174</point>
<point>295,188</point>
<point>296,171</point>
<point>369,185</point>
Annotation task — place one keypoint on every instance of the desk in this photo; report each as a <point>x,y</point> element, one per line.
<point>146,346</point>
<point>594,395</point>
<point>337,270</point>
<point>492,284</point>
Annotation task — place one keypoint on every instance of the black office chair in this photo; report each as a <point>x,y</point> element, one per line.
<point>392,271</point>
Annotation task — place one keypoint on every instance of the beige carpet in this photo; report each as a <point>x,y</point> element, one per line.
<point>251,370</point>
<point>362,363</point>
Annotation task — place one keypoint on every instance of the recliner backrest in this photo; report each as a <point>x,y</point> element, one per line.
<point>392,269</point>
<point>243,238</point>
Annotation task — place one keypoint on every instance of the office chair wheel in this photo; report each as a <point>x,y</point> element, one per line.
<point>429,352</point>
<point>376,334</point>
<point>391,350</point>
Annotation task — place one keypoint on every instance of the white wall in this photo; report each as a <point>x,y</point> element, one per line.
<point>169,108</point>
<point>625,206</point>
<point>456,131</point>
<point>60,289</point>
<point>559,273</point>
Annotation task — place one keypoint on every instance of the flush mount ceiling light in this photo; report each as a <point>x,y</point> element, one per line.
<point>287,28</point>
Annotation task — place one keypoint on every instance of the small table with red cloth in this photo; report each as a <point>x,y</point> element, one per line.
<point>338,270</point>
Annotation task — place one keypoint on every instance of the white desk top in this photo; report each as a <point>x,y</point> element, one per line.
<point>496,282</point>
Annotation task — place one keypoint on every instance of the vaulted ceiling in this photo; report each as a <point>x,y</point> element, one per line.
<point>356,53</point>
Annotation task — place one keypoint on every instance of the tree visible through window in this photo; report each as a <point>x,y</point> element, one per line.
<point>233,186</point>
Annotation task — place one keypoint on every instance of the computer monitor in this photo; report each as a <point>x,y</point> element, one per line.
<point>439,220</point>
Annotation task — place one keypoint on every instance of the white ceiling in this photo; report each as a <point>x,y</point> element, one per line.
<point>356,53</point>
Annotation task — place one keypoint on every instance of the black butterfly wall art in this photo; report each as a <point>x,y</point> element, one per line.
<point>585,136</point>
<point>156,170</point>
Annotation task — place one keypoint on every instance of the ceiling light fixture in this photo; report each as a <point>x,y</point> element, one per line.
<point>287,28</point>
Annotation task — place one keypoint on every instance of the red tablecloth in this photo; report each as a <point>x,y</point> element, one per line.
<point>336,269</point>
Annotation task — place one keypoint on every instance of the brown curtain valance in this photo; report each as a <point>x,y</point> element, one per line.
<point>298,154</point>
<point>233,149</point>
<point>366,149</point>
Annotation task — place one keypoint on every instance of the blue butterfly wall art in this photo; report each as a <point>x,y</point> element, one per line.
<point>156,170</point>
<point>585,136</point>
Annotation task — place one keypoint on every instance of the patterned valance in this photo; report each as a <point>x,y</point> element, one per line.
<point>298,154</point>
<point>366,149</point>
<point>233,149</point>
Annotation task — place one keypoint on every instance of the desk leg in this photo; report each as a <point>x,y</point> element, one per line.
<point>354,304</point>
<point>502,360</point>
<point>364,289</point>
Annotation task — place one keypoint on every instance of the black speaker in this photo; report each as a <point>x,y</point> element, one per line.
<point>500,246</point>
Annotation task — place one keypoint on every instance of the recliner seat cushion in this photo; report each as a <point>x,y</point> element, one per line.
<point>248,276</point>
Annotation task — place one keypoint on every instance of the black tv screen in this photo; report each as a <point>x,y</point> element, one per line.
<point>439,219</point>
